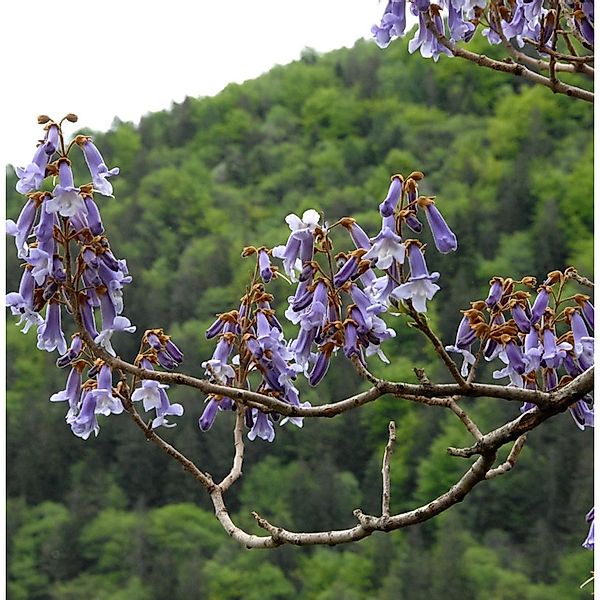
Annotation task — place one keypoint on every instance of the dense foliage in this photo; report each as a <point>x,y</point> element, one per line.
<point>513,165</point>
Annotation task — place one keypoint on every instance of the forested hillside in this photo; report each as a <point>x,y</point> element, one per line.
<point>113,518</point>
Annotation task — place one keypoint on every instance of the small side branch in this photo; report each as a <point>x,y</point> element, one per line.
<point>205,479</point>
<point>571,273</point>
<point>511,460</point>
<point>423,326</point>
<point>465,419</point>
<point>385,469</point>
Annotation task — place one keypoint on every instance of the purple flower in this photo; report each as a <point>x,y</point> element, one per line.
<point>420,285</point>
<point>347,271</point>
<point>393,23</point>
<point>426,41</point>
<point>72,390</point>
<point>205,422</point>
<point>302,344</point>
<point>387,247</point>
<point>588,544</point>
<point>93,215</point>
<point>496,285</point>
<point>582,414</point>
<point>31,177</point>
<point>387,207</point>
<point>459,28</point>
<point>579,331</point>
<point>515,357</point>
<point>87,314</point>
<point>465,336</point>
<point>173,351</point>
<point>73,352</point>
<point>215,328</point>
<point>21,230</point>
<point>44,231</point>
<point>586,358</point>
<point>98,170</point>
<point>300,242</point>
<point>42,264</point>
<point>540,304</point>
<point>553,353</point>
<point>50,335</point>
<point>106,403</point>
<point>320,367</point>
<point>584,27</point>
<point>83,423</point>
<point>587,308</point>
<point>262,426</point>
<point>21,303</point>
<point>153,395</point>
<point>443,237</point>
<point>217,368</point>
<point>520,317</point>
<point>357,234</point>
<point>264,265</point>
<point>351,342</point>
<point>67,200</point>
<point>533,351</point>
<point>118,324</point>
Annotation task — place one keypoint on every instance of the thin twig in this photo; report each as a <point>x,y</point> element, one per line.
<point>511,460</point>
<point>385,469</point>
<point>423,326</point>
<point>571,273</point>
<point>465,419</point>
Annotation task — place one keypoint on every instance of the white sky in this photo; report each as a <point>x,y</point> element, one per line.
<point>106,59</point>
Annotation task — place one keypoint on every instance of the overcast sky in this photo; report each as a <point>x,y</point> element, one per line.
<point>124,59</point>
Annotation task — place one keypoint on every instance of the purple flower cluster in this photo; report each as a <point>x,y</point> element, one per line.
<point>541,346</point>
<point>69,266</point>
<point>457,20</point>
<point>261,354</point>
<point>334,309</point>
<point>542,343</point>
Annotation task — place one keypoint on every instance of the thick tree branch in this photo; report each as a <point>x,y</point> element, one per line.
<point>560,400</point>
<point>368,524</point>
<point>405,390</point>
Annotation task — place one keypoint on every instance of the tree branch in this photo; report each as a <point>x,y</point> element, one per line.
<point>510,461</point>
<point>385,469</point>
<point>238,458</point>
<point>509,67</point>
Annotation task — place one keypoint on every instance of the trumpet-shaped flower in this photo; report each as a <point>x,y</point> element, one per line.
<point>66,201</point>
<point>421,285</point>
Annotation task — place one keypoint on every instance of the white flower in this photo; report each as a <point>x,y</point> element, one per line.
<point>418,290</point>
<point>387,247</point>
<point>119,324</point>
<point>309,221</point>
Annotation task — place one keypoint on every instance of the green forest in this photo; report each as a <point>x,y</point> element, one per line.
<point>511,166</point>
